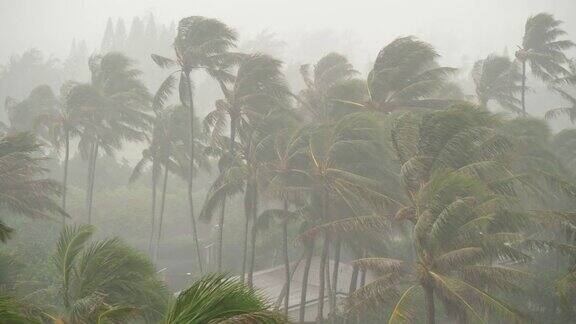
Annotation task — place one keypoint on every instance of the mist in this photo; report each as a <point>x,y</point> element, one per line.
<point>287,161</point>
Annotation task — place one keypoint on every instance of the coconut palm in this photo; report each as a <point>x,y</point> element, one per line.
<point>23,190</point>
<point>405,75</point>
<point>113,109</point>
<point>496,79</point>
<point>559,86</point>
<point>542,51</point>
<point>220,299</point>
<point>257,87</point>
<point>105,279</point>
<point>59,126</point>
<point>460,256</point>
<point>332,80</point>
<point>22,115</point>
<point>201,44</point>
<point>457,190</point>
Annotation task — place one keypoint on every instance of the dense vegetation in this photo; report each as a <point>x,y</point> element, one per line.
<point>461,207</point>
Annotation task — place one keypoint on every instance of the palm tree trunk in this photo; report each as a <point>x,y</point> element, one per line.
<point>362,277</point>
<point>334,287</point>
<point>89,177</point>
<point>322,275</point>
<point>524,87</point>
<point>309,253</point>
<point>65,176</point>
<point>191,171</point>
<point>245,244</point>
<point>323,258</point>
<point>92,180</point>
<point>283,292</point>
<point>286,258</point>
<point>223,206</point>
<point>252,263</point>
<point>221,234</point>
<point>153,214</point>
<point>430,308</point>
<point>161,216</point>
<point>353,279</point>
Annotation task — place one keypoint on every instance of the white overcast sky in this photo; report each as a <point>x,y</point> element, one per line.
<point>455,27</point>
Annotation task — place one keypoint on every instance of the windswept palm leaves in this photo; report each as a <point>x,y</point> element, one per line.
<point>22,189</point>
<point>221,299</point>
<point>406,75</point>
<point>112,110</point>
<point>257,88</point>
<point>496,79</point>
<point>105,279</point>
<point>201,44</point>
<point>542,51</point>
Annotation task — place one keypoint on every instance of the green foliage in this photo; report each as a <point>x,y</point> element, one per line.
<point>220,299</point>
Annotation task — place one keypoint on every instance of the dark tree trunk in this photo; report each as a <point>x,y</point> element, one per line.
<point>283,291</point>
<point>89,178</point>
<point>191,172</point>
<point>362,278</point>
<point>245,245</point>
<point>65,176</point>
<point>153,213</point>
<point>92,180</point>
<point>221,234</point>
<point>353,279</point>
<point>334,286</point>
<point>162,209</point>
<point>253,238</point>
<point>223,206</point>
<point>322,275</point>
<point>524,87</point>
<point>309,254</point>
<point>285,256</point>
<point>430,307</point>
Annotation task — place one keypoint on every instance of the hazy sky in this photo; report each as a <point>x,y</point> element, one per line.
<point>455,27</point>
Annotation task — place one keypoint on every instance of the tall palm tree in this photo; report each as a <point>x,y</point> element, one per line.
<point>406,74</point>
<point>496,79</point>
<point>458,188</point>
<point>331,80</point>
<point>23,190</point>
<point>59,127</point>
<point>105,279</point>
<point>201,44</point>
<point>113,109</point>
<point>257,87</point>
<point>542,51</point>
<point>220,299</point>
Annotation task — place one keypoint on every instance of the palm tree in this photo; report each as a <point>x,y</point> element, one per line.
<point>105,279</point>
<point>542,50</point>
<point>23,190</point>
<point>257,87</point>
<point>59,126</point>
<point>456,263</point>
<point>201,44</point>
<point>458,188</point>
<point>405,75</point>
<point>496,78</point>
<point>23,114</point>
<point>112,109</point>
<point>558,86</point>
<point>332,80</point>
<point>220,299</point>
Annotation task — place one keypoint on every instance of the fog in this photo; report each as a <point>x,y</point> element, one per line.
<point>267,161</point>
<point>457,28</point>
